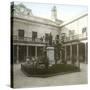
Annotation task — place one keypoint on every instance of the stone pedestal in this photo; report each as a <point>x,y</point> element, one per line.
<point>50,55</point>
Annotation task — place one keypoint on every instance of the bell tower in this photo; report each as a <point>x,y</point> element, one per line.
<point>54,13</point>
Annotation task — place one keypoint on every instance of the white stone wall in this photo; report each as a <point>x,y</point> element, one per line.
<point>29,26</point>
<point>77,26</point>
<point>41,29</point>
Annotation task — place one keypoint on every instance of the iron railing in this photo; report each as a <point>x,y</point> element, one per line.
<point>75,37</point>
<point>38,40</point>
<point>28,39</point>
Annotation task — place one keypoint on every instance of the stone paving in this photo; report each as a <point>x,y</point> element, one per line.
<point>22,81</point>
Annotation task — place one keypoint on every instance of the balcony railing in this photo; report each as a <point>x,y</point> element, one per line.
<point>75,37</point>
<point>40,41</point>
<point>28,39</point>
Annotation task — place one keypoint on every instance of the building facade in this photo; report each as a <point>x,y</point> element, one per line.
<point>75,38</point>
<point>30,34</point>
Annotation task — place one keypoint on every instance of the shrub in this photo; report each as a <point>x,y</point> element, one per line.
<point>57,68</point>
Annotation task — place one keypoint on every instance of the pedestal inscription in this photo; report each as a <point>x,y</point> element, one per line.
<point>50,55</point>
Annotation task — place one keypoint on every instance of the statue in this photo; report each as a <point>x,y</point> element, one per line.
<point>50,39</point>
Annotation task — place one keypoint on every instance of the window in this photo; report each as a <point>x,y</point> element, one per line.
<point>63,35</point>
<point>71,33</point>
<point>21,33</point>
<point>84,30</point>
<point>34,35</point>
<point>46,36</point>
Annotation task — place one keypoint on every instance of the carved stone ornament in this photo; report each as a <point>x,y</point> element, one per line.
<point>21,10</point>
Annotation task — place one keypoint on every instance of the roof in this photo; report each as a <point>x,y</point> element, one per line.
<point>21,12</point>
<point>37,20</point>
<point>74,19</point>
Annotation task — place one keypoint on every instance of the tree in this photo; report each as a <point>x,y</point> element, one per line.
<point>59,48</point>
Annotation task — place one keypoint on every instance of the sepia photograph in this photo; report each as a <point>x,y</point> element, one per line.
<point>49,44</point>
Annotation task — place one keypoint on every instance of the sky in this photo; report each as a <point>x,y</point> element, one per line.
<point>64,12</point>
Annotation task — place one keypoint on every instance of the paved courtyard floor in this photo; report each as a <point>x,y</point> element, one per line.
<point>22,81</point>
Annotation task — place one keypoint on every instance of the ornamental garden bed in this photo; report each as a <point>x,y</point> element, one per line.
<point>41,71</point>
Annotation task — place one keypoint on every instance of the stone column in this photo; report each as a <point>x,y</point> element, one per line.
<point>71,53</point>
<point>35,51</point>
<point>77,52</point>
<point>27,49</point>
<point>85,53</point>
<point>77,61</point>
<point>17,54</point>
<point>65,53</point>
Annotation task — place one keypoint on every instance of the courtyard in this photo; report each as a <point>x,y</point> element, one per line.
<point>22,81</point>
